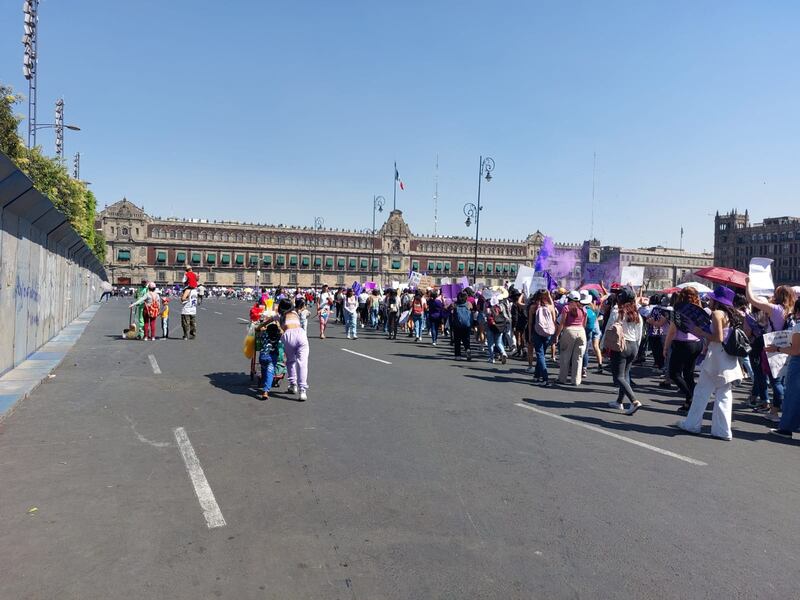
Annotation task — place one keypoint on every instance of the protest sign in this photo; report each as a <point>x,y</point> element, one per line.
<point>537,283</point>
<point>446,281</point>
<point>425,282</point>
<point>632,276</point>
<point>464,281</point>
<point>688,315</point>
<point>395,285</point>
<point>760,273</point>
<point>777,360</point>
<point>524,276</point>
<point>414,279</point>
<point>370,285</point>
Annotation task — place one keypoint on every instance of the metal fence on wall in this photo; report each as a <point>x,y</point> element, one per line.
<point>48,275</point>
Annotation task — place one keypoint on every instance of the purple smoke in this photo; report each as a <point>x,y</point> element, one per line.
<point>562,265</point>
<point>545,252</point>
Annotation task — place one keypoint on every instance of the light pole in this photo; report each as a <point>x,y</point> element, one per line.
<point>474,212</point>
<point>59,127</point>
<point>377,206</point>
<point>76,166</point>
<point>30,10</point>
<point>318,223</point>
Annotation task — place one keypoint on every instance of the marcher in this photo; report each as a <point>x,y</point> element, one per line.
<point>461,326</point>
<point>718,371</point>
<point>189,313</point>
<point>436,316</point>
<point>326,300</point>
<point>541,328</point>
<point>295,343</point>
<point>418,306</point>
<point>165,319</point>
<point>392,313</point>
<point>683,348</point>
<point>790,417</point>
<point>350,306</point>
<point>622,336</point>
<point>268,335</point>
<point>150,306</point>
<point>571,335</point>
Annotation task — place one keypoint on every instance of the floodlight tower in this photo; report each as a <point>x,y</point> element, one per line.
<point>59,127</point>
<point>30,10</point>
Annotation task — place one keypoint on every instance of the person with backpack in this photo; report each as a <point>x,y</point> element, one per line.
<point>571,336</point>
<point>418,307</point>
<point>151,309</point>
<point>461,326</point>
<point>392,313</point>
<point>719,370</point>
<point>541,328</point>
<point>779,311</point>
<point>496,322</point>
<point>622,337</point>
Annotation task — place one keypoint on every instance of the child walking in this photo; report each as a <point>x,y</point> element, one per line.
<point>165,319</point>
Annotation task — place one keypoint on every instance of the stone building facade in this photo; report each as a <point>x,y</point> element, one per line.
<point>140,246</point>
<point>736,241</point>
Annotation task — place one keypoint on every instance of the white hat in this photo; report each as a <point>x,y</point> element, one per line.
<point>586,297</point>
<point>151,285</point>
<point>573,295</point>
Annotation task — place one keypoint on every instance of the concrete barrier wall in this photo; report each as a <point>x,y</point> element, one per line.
<point>48,275</point>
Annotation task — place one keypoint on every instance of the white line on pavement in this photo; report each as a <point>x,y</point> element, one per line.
<point>386,362</point>
<point>205,496</point>
<point>243,320</point>
<point>202,308</point>
<point>154,364</point>
<point>687,459</point>
<point>217,313</point>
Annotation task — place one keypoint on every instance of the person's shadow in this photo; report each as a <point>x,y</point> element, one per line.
<point>233,383</point>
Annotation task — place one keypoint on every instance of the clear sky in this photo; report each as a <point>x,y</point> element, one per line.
<point>282,111</point>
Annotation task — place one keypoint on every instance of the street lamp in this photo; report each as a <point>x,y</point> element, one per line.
<point>318,223</point>
<point>377,206</point>
<point>474,212</point>
<point>58,126</point>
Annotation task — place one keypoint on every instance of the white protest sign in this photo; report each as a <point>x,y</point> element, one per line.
<point>760,273</point>
<point>446,281</point>
<point>395,285</point>
<point>537,283</point>
<point>414,279</point>
<point>779,339</point>
<point>632,276</point>
<point>524,276</point>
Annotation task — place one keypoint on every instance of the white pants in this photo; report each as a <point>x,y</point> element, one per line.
<point>709,388</point>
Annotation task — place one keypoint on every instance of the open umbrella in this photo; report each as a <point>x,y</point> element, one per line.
<point>724,275</point>
<point>671,290</point>
<point>699,287</point>
<point>592,286</point>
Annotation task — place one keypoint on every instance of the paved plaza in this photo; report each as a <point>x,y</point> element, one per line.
<point>151,470</point>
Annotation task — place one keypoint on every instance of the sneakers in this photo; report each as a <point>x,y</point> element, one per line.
<point>491,361</point>
<point>583,374</point>
<point>530,370</point>
<point>303,397</point>
<point>433,343</point>
<point>615,404</point>
<point>772,417</point>
<point>503,358</point>
<point>634,407</point>
<point>781,433</point>
<point>355,337</point>
<point>292,389</point>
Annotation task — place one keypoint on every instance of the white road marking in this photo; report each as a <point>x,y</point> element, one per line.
<point>154,364</point>
<point>687,459</point>
<point>205,496</point>
<point>143,439</point>
<point>386,362</point>
<point>217,313</point>
<point>243,320</point>
<point>202,308</point>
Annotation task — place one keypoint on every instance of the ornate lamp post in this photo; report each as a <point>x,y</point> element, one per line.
<point>377,206</point>
<point>474,212</point>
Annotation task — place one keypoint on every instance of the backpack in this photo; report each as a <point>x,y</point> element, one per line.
<point>737,343</point>
<point>545,325</point>
<point>463,316</point>
<point>500,319</point>
<point>417,306</point>
<point>614,337</point>
<point>151,310</point>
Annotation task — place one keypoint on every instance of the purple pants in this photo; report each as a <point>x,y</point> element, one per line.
<point>295,345</point>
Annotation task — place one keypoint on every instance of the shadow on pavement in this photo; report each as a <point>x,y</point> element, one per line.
<point>235,383</point>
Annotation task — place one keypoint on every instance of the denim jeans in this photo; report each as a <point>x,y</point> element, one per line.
<point>434,325</point>
<point>494,339</point>
<point>267,362</point>
<point>350,323</point>
<point>790,419</point>
<point>373,317</point>
<point>540,345</point>
<point>418,325</point>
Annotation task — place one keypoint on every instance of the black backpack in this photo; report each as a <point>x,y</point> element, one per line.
<point>737,343</point>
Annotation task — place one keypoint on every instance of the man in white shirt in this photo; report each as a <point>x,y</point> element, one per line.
<point>201,293</point>
<point>189,313</point>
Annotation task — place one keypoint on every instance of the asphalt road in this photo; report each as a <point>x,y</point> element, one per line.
<point>422,478</point>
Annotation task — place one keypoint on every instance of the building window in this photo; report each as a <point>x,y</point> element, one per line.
<point>225,260</point>
<point>211,277</point>
<point>161,276</point>
<point>124,231</point>
<point>238,277</point>
<point>123,255</point>
<point>161,256</point>
<point>293,278</point>
<point>240,259</point>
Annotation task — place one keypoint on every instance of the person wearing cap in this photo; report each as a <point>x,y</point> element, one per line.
<point>627,314</point>
<point>719,369</point>
<point>571,336</point>
<point>592,332</point>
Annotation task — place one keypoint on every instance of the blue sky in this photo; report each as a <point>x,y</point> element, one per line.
<point>283,111</point>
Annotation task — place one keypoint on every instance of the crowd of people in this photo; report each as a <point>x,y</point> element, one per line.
<point>701,345</point>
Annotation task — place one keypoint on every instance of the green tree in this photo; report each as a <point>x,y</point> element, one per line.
<point>49,175</point>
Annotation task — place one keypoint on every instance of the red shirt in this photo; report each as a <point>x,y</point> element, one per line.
<point>191,279</point>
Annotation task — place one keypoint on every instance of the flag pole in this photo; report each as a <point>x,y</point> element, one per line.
<point>394,195</point>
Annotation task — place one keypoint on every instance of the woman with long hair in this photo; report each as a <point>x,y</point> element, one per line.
<point>541,327</point>
<point>790,418</point>
<point>718,372</point>
<point>779,311</point>
<point>627,314</point>
<point>682,347</point>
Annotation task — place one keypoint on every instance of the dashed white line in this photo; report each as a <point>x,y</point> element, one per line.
<point>203,308</point>
<point>217,313</point>
<point>154,364</point>
<point>691,461</point>
<point>205,496</point>
<point>243,320</point>
<point>386,362</point>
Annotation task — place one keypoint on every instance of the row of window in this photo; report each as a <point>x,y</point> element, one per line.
<point>492,250</point>
<point>665,260</point>
<point>323,240</point>
<point>768,237</point>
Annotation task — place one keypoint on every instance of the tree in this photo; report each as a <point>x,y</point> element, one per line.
<point>48,175</point>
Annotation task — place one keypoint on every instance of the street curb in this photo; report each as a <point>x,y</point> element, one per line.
<point>18,383</point>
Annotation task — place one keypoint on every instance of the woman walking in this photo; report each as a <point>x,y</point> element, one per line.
<point>790,418</point>
<point>627,315</point>
<point>571,336</point>
<point>718,371</point>
<point>683,347</point>
<point>541,327</point>
<point>350,306</point>
<point>295,344</point>
<point>436,316</point>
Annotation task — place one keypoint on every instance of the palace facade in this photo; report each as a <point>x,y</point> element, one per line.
<point>140,246</point>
